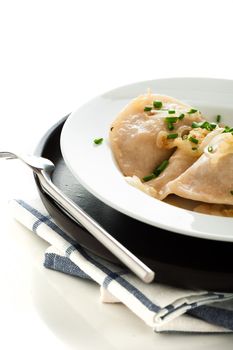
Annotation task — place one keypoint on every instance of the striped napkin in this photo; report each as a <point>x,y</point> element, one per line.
<point>163,308</point>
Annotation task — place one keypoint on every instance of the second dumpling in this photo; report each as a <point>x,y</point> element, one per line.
<point>210,178</point>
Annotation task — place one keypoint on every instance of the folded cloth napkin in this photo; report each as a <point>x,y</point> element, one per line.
<point>162,307</point>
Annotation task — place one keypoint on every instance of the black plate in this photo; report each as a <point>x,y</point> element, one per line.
<point>177,260</point>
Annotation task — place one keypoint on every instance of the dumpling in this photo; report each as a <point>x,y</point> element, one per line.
<point>210,178</point>
<point>185,155</point>
<point>178,163</point>
<point>134,134</point>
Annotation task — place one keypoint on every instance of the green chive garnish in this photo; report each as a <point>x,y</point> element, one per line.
<point>160,168</point>
<point>228,129</point>
<point>171,119</point>
<point>156,172</point>
<point>147,109</point>
<point>181,116</point>
<point>210,126</point>
<point>204,125</point>
<point>171,111</point>
<point>192,110</point>
<point>149,177</point>
<point>192,139</point>
<point>157,104</point>
<point>98,141</point>
<point>197,125</point>
<point>170,126</point>
<point>231,192</point>
<point>210,149</point>
<point>218,118</point>
<point>172,136</point>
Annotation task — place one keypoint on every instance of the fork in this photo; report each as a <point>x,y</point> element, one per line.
<point>43,168</point>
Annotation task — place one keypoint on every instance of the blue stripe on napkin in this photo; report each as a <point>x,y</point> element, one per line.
<point>218,316</point>
<point>63,264</point>
<point>110,274</point>
<point>213,315</point>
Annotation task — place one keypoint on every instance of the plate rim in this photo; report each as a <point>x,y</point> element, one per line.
<point>163,225</point>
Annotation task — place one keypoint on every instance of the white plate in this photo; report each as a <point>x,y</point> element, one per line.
<point>95,168</point>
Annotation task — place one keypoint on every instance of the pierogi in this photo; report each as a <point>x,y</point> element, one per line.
<point>164,146</point>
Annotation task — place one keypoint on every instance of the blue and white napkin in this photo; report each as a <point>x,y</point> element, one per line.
<point>162,307</point>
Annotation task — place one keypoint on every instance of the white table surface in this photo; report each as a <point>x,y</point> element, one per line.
<point>56,55</point>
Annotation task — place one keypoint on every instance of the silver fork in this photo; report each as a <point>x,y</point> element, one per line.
<point>43,168</point>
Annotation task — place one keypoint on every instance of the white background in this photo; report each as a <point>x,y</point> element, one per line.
<point>54,56</point>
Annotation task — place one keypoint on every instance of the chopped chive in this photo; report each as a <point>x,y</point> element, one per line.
<point>160,168</point>
<point>210,149</point>
<point>171,111</point>
<point>204,125</point>
<point>197,125</point>
<point>163,165</point>
<point>149,177</point>
<point>194,148</point>
<point>98,141</point>
<point>192,139</point>
<point>209,126</point>
<point>147,109</point>
<point>231,192</point>
<point>192,110</point>
<point>171,119</point>
<point>172,136</point>
<point>218,118</point>
<point>228,129</point>
<point>212,126</point>
<point>156,172</point>
<point>181,116</point>
<point>157,104</point>
<point>170,126</point>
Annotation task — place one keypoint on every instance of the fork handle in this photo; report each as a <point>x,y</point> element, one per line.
<point>115,247</point>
